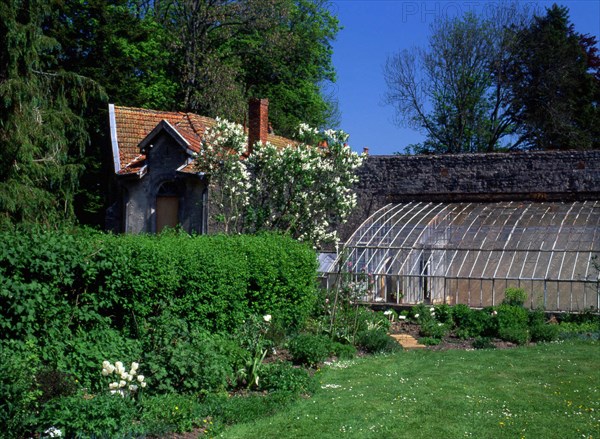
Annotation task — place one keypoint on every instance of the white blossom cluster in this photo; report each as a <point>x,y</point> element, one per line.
<point>303,190</point>
<point>126,380</point>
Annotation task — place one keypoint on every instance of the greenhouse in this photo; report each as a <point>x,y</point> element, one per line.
<point>471,253</point>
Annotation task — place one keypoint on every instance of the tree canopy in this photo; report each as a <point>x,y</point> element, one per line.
<point>554,76</point>
<point>504,82</point>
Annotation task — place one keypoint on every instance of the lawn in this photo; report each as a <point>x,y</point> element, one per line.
<point>546,391</point>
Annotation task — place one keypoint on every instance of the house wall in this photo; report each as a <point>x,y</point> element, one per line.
<point>547,175</point>
<point>139,203</point>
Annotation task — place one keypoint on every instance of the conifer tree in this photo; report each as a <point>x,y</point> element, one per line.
<point>41,131</point>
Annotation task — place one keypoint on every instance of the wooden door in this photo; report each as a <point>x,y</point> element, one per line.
<point>167,212</point>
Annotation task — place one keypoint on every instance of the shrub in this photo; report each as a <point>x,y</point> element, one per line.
<point>76,278</point>
<point>461,315</point>
<point>433,329</point>
<point>103,415</point>
<point>473,323</point>
<point>19,395</point>
<point>343,351</point>
<point>178,358</point>
<point>430,341</point>
<point>310,349</point>
<point>513,323</point>
<point>483,343</point>
<point>544,332</point>
<point>515,297</point>
<point>374,341</point>
<point>443,314</point>
<point>283,377</point>
<point>422,313</point>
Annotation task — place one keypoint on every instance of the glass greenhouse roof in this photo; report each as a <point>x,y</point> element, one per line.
<point>502,240</point>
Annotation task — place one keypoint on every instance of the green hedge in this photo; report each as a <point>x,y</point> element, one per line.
<point>50,281</point>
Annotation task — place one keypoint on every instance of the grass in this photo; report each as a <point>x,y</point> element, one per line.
<point>547,391</point>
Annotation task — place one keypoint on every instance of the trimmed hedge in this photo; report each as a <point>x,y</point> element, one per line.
<point>53,280</point>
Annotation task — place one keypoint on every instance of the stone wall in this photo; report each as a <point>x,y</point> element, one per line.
<point>548,175</point>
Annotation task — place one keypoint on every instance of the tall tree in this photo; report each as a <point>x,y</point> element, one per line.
<point>118,45</point>
<point>555,83</point>
<point>231,50</point>
<point>41,131</point>
<point>455,90</point>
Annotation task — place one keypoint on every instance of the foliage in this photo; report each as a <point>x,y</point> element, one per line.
<point>343,351</point>
<point>19,393</point>
<point>229,51</point>
<point>102,415</point>
<point>302,190</point>
<point>554,75</point>
<point>123,51</point>
<point>474,323</point>
<point>80,279</point>
<point>515,297</point>
<point>483,343</point>
<point>376,340</point>
<point>309,349</point>
<point>183,359</point>
<point>283,377</point>
<point>454,90</point>
<point>171,412</point>
<point>430,341</point>
<point>433,329</point>
<point>543,332</point>
<point>513,324</point>
<point>42,132</point>
<point>251,337</point>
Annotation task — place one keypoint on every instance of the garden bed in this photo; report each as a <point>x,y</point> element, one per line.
<point>449,341</point>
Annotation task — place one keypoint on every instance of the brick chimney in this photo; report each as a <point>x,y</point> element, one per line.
<point>258,121</point>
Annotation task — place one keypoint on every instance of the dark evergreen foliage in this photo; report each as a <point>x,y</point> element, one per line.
<point>42,133</point>
<point>555,82</point>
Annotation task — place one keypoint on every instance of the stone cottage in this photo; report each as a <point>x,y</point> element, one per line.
<point>157,184</point>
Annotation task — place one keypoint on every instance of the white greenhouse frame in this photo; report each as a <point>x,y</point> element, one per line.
<point>425,252</point>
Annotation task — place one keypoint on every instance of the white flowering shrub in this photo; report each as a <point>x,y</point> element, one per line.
<point>304,190</point>
<point>126,383</point>
<point>222,146</point>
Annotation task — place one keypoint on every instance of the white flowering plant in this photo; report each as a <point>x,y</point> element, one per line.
<point>251,337</point>
<point>123,382</point>
<point>304,190</point>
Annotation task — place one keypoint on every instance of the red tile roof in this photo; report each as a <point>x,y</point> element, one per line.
<point>132,125</point>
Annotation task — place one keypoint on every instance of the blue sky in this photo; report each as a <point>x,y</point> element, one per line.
<point>373,30</point>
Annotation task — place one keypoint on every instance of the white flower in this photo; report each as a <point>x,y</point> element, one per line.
<point>387,313</point>
<point>113,386</point>
<point>416,316</point>
<point>133,387</point>
<point>140,378</point>
<point>119,365</point>
<point>105,365</point>
<point>134,367</point>
<point>144,384</point>
<point>432,309</point>
<point>53,432</point>
<point>122,383</point>
<point>402,317</point>
<point>105,372</point>
<point>267,317</point>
